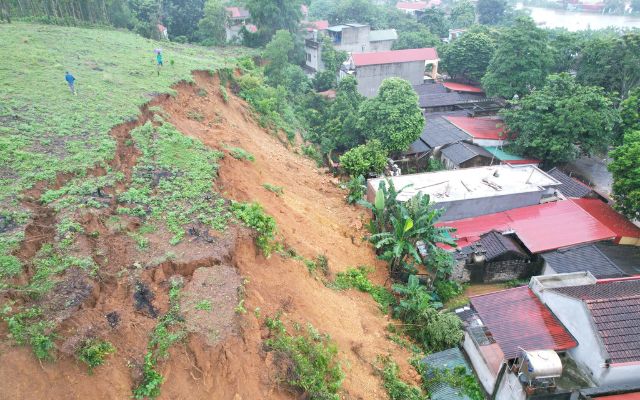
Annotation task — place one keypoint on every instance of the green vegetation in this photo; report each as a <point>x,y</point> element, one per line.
<point>169,330</point>
<point>448,289</point>
<point>240,154</point>
<point>430,328</point>
<point>93,352</point>
<point>396,388</point>
<point>278,190</point>
<point>311,359</point>
<point>364,159</point>
<point>172,181</point>
<point>562,121</point>
<point>29,327</point>
<point>626,174</point>
<point>357,278</point>
<point>204,305</point>
<point>357,187</point>
<point>469,56</point>
<point>252,215</point>
<point>458,378</point>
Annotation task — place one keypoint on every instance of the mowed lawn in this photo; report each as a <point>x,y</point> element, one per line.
<point>44,129</point>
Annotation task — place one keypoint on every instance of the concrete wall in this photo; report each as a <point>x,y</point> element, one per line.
<point>590,353</point>
<point>493,272</point>
<point>355,35</point>
<point>483,372</point>
<point>489,142</point>
<point>382,45</point>
<point>487,205</point>
<point>314,55</point>
<point>370,77</point>
<point>509,388</point>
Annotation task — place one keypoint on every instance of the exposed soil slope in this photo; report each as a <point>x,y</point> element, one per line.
<point>222,357</point>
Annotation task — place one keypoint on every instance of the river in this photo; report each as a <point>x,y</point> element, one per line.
<point>575,21</point>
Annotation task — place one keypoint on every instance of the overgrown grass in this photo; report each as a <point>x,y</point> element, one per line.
<point>278,190</point>
<point>357,278</point>
<point>396,388</point>
<point>172,181</point>
<point>169,330</point>
<point>240,154</point>
<point>309,360</point>
<point>28,327</point>
<point>252,215</point>
<point>93,352</point>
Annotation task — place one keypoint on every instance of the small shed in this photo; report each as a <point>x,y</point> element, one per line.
<point>465,155</point>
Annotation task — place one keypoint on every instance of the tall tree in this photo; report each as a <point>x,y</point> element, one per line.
<point>363,11</point>
<point>566,47</point>
<point>182,16</point>
<point>340,129</point>
<point>521,62</point>
<point>393,116</point>
<point>277,54</point>
<point>611,61</point>
<point>468,57</point>
<point>630,112</point>
<point>463,14</point>
<point>561,121</point>
<point>416,39</point>
<point>491,12</point>
<point>273,15</point>
<point>211,28</point>
<point>436,20</point>
<point>626,175</point>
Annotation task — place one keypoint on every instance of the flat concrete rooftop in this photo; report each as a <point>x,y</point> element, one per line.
<point>471,183</point>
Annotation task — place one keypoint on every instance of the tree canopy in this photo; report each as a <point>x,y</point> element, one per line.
<point>277,53</point>
<point>521,61</point>
<point>436,20</point>
<point>273,15</point>
<point>625,168</point>
<point>416,39</point>
<point>491,12</point>
<point>211,27</point>
<point>393,116</point>
<point>468,57</point>
<point>561,121</point>
<point>463,14</point>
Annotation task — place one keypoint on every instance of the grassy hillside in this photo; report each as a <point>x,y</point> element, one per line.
<point>45,130</point>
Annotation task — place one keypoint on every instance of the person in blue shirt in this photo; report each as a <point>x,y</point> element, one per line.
<point>159,60</point>
<point>71,81</point>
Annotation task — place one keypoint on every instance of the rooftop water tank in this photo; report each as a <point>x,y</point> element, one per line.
<point>541,364</point>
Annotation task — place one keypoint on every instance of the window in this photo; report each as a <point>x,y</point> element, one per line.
<point>308,57</point>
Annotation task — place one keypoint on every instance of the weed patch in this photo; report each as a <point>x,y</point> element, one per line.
<point>278,190</point>
<point>396,388</point>
<point>357,278</point>
<point>309,360</point>
<point>240,154</point>
<point>93,352</point>
<point>29,327</point>
<point>253,216</point>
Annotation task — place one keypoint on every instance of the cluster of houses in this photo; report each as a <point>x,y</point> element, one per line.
<point>574,331</point>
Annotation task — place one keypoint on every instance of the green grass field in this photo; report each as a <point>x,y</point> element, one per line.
<point>45,130</point>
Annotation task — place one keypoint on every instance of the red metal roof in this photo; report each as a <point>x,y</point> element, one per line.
<point>461,87</point>
<point>394,56</point>
<point>610,218</point>
<point>318,25</point>
<point>238,12</point>
<point>478,127</point>
<point>517,319</point>
<point>520,162</point>
<point>626,396</point>
<point>416,5</point>
<point>541,227</point>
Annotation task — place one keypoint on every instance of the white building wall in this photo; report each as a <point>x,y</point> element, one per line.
<point>487,378</point>
<point>510,388</point>
<point>489,142</point>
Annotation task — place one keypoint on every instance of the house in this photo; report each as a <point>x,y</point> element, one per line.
<point>483,131</point>
<point>465,155</point>
<point>496,257</point>
<point>447,360</point>
<point>585,257</point>
<point>237,18</point>
<point>540,227</point>
<point>416,7</point>
<point>370,69</point>
<point>352,38</point>
<point>566,336</point>
<point>572,187</point>
<point>455,34</point>
<point>475,191</point>
<point>436,97</point>
<point>604,317</point>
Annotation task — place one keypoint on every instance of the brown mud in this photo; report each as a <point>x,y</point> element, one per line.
<point>223,356</point>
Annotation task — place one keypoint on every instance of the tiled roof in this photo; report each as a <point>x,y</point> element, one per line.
<point>444,360</point>
<point>447,99</point>
<point>615,309</point>
<point>517,319</point>
<point>570,187</point>
<point>627,258</point>
<point>318,25</point>
<point>418,146</point>
<point>394,56</point>
<point>583,258</point>
<point>439,132</point>
<point>540,227</point>
<point>480,128</point>
<point>429,88</point>
<point>411,5</point>
<point>461,87</point>
<point>460,152</point>
<point>622,227</point>
<point>383,34</point>
<point>496,244</point>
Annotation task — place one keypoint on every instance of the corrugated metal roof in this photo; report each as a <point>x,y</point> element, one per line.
<point>626,396</point>
<point>460,152</point>
<point>517,319</point>
<point>570,187</point>
<point>383,34</point>
<point>583,258</point>
<point>445,360</point>
<point>394,56</point>
<point>622,227</point>
<point>541,227</point>
<point>615,309</point>
<point>439,132</point>
<point>480,128</point>
<point>430,88</point>
<point>461,87</point>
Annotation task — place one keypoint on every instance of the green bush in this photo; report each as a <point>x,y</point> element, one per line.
<point>396,388</point>
<point>458,378</point>
<point>447,289</point>
<point>357,278</point>
<point>28,327</point>
<point>9,266</point>
<point>357,187</point>
<point>364,159</point>
<point>241,154</point>
<point>252,215</point>
<point>278,190</point>
<point>93,352</point>
<point>310,360</point>
<point>151,382</point>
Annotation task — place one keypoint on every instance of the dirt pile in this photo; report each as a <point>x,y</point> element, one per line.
<point>223,356</point>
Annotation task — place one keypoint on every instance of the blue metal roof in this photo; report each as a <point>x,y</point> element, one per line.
<point>445,360</point>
